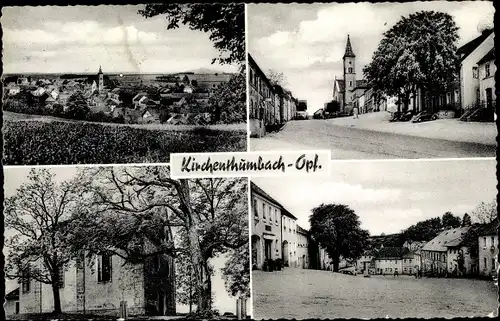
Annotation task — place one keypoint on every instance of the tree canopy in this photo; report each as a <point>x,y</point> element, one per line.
<point>450,221</point>
<point>225,24</point>
<point>227,103</point>
<point>419,51</point>
<point>40,215</point>
<point>336,228</point>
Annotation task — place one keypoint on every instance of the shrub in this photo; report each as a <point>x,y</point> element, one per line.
<point>33,143</point>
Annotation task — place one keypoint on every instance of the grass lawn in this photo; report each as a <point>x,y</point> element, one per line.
<point>42,140</point>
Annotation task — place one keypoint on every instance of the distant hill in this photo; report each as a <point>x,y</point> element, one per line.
<point>202,71</point>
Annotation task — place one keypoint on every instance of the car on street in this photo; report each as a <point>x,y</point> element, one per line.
<point>301,115</point>
<point>407,116</point>
<point>349,270</point>
<point>319,114</point>
<point>423,116</point>
<point>480,115</point>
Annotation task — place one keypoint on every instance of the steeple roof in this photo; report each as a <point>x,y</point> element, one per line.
<point>348,49</point>
<point>100,70</point>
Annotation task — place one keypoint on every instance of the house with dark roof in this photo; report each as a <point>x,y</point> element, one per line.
<point>488,249</point>
<point>11,305</point>
<point>446,254</point>
<point>389,260</point>
<point>486,73</point>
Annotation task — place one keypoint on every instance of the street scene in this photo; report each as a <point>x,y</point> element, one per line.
<point>122,84</point>
<point>377,240</point>
<point>124,242</point>
<point>377,88</point>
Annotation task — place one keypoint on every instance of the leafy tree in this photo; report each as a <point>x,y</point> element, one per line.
<point>186,282</point>
<point>337,229</point>
<point>227,103</point>
<point>236,272</point>
<point>276,78</point>
<point>39,214</point>
<point>450,221</point>
<point>419,51</point>
<point>77,107</point>
<point>424,231</point>
<point>225,24</point>
<point>132,205</point>
<point>466,220</point>
<point>485,212</point>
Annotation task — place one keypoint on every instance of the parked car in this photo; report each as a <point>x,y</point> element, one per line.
<point>301,115</point>
<point>407,116</point>
<point>395,116</point>
<point>319,114</point>
<point>423,116</point>
<point>349,270</point>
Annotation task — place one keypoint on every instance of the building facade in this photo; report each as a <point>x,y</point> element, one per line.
<point>486,74</point>
<point>266,227</point>
<point>488,250</point>
<point>303,246</point>
<point>289,239</point>
<point>106,284</point>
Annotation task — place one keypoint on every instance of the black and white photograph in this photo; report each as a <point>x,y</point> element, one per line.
<point>373,80</point>
<point>117,242</point>
<point>122,84</point>
<point>377,239</point>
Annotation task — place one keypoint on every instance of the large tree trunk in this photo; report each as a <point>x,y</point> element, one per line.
<point>336,262</point>
<point>56,295</point>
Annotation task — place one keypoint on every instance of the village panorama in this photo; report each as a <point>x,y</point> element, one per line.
<point>77,96</point>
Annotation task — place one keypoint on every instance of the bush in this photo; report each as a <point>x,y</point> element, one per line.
<point>40,143</point>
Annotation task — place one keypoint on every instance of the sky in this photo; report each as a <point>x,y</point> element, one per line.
<point>389,196</point>
<point>81,38</point>
<point>16,176</point>
<point>306,42</point>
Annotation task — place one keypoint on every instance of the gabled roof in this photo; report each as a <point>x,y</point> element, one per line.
<point>391,252</point>
<point>489,229</point>
<point>348,49</point>
<point>362,83</point>
<point>490,56</point>
<point>445,239</point>
<point>256,189</point>
<point>13,295</point>
<point>302,230</point>
<point>340,83</point>
<point>469,47</point>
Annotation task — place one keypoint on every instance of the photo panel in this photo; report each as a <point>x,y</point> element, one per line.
<point>124,242</point>
<point>377,239</point>
<point>114,84</point>
<point>373,80</point>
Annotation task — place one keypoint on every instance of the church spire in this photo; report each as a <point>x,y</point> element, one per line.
<point>100,70</point>
<point>348,49</point>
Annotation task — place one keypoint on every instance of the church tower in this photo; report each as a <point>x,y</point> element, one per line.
<point>349,74</point>
<point>100,86</point>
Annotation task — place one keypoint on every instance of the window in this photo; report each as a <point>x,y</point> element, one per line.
<point>350,70</point>
<point>276,215</point>
<point>263,210</point>
<point>475,73</point>
<point>484,240</point>
<point>485,264</point>
<point>493,264</point>
<point>269,211</point>
<point>456,96</point>
<point>104,268</point>
<point>448,98</point>
<point>26,282</point>
<point>350,83</point>
<point>487,70</point>
<point>492,241</point>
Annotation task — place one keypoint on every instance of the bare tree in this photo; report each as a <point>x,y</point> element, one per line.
<point>39,215</point>
<point>134,204</point>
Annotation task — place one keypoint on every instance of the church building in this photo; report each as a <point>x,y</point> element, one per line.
<point>345,89</point>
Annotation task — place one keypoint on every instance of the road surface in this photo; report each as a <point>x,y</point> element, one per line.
<point>300,294</point>
<point>357,143</point>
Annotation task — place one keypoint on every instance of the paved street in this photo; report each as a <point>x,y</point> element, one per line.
<point>363,141</point>
<point>300,294</point>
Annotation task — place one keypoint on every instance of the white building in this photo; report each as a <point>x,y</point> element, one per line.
<point>470,54</point>
<point>289,239</point>
<point>487,70</point>
<point>488,250</point>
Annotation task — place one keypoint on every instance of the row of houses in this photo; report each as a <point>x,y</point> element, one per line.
<point>270,105</point>
<point>277,236</point>
<point>474,85</point>
<point>448,254</point>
